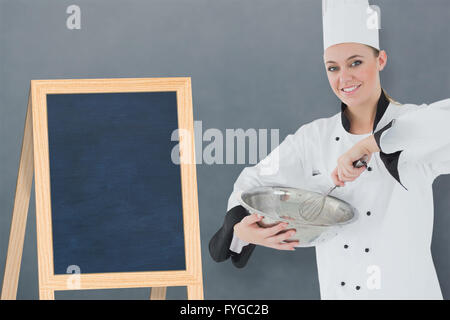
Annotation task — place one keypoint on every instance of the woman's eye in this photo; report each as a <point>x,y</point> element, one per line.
<point>356,63</point>
<point>332,69</point>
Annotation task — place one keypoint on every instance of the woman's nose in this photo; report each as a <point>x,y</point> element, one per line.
<point>345,76</point>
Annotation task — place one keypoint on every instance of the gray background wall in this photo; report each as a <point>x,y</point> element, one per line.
<point>253,63</point>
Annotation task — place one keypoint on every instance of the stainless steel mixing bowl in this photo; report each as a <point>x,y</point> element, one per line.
<point>282,204</point>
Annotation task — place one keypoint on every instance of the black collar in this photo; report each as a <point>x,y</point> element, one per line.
<point>382,105</point>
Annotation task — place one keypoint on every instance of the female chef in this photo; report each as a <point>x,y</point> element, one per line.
<point>386,253</point>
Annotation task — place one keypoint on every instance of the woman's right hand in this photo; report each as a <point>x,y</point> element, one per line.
<point>249,230</point>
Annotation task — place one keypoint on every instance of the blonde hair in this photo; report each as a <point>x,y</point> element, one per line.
<point>390,98</point>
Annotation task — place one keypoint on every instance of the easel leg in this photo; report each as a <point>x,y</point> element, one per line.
<point>20,212</point>
<point>158,293</point>
<point>46,294</point>
<point>195,292</point>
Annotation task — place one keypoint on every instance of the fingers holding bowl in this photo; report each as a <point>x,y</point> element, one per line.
<point>274,234</point>
<point>282,236</point>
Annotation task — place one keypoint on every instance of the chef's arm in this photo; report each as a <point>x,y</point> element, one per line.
<point>225,243</point>
<point>421,136</point>
<point>281,167</point>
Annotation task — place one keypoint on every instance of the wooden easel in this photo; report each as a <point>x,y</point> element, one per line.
<point>27,170</point>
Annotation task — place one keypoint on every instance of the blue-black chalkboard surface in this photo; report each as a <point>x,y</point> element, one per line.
<point>116,199</point>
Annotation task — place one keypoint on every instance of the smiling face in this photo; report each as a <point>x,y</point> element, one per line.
<point>353,72</point>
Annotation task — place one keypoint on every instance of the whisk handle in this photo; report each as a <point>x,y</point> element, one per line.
<point>361,162</point>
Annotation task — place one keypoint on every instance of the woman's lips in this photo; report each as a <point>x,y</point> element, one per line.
<point>349,93</point>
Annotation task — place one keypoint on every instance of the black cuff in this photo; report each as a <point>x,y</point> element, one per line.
<point>390,160</point>
<point>219,245</point>
<point>240,259</point>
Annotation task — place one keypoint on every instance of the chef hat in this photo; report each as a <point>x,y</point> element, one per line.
<point>349,21</point>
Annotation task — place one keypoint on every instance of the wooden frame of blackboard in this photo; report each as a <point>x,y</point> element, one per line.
<point>35,159</point>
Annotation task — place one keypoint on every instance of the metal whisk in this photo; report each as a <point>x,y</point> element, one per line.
<point>311,208</point>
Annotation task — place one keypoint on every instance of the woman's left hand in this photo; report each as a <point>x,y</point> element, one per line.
<point>345,171</point>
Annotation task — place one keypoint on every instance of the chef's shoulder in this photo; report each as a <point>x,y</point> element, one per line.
<point>319,127</point>
<point>312,133</point>
<point>399,109</point>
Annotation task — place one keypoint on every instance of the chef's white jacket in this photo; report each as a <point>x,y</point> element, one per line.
<point>386,253</point>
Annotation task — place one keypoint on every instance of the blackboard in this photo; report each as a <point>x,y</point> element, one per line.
<point>116,194</point>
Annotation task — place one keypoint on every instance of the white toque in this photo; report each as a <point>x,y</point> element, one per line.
<point>350,21</point>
